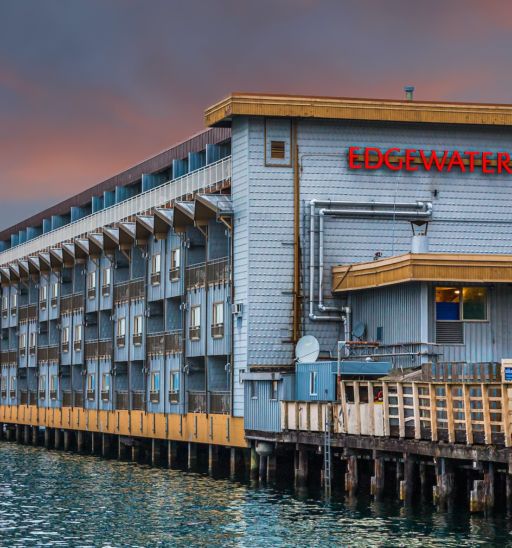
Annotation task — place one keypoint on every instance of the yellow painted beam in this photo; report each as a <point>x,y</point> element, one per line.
<point>195,427</point>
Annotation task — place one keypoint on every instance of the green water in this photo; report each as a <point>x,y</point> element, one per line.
<point>50,498</point>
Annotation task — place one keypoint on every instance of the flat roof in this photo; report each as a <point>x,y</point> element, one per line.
<point>342,108</point>
<point>153,164</point>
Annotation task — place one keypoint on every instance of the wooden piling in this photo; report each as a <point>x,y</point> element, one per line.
<point>80,441</point>
<point>444,490</point>
<point>192,456</point>
<point>172,453</point>
<point>47,437</point>
<point>351,475</point>
<point>481,497</point>
<point>271,467</point>
<point>213,458</point>
<point>26,434</point>
<point>35,435</point>
<point>408,484</point>
<point>377,480</point>
<point>301,466</point>
<point>57,439</point>
<point>67,439</point>
<point>255,463</point>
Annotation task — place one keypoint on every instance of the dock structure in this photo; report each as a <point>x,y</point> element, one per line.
<point>155,316</point>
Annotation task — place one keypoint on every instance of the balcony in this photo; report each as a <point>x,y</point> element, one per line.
<point>105,395</point>
<point>174,274</point>
<point>209,177</point>
<point>137,339</point>
<point>121,399</point>
<point>196,402</point>
<point>173,342</point>
<point>131,290</point>
<point>5,313</point>
<point>66,304</point>
<point>195,276</point>
<point>91,395</point>
<point>218,331</point>
<point>138,400</point>
<point>98,348</point>
<point>194,333</point>
<point>217,271</point>
<point>219,402</point>
<point>47,354</point>
<point>154,396</point>
<point>78,398</point>
<point>174,396</point>
<point>105,291</point>
<point>4,394</point>
<point>67,398</point>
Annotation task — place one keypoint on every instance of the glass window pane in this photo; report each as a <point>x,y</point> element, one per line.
<point>448,303</point>
<point>474,303</point>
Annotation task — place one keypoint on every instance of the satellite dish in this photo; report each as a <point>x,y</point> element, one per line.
<point>307,349</point>
<point>359,330</point>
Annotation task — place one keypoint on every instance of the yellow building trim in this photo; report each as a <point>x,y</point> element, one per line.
<point>432,267</point>
<point>195,427</point>
<point>290,106</point>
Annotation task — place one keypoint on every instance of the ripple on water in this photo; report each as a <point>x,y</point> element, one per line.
<point>63,499</point>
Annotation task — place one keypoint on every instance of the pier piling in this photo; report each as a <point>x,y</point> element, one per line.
<point>35,435</point>
<point>192,456</point>
<point>172,453</point>
<point>67,439</point>
<point>444,489</point>
<point>351,475</point>
<point>255,463</point>
<point>301,466</point>
<point>57,439</point>
<point>213,458</point>
<point>80,441</point>
<point>481,497</point>
<point>47,434</point>
<point>378,478</point>
<point>26,434</point>
<point>271,467</point>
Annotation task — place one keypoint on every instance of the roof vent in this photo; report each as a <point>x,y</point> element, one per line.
<point>409,92</point>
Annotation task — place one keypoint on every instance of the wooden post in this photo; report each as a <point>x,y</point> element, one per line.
<point>481,498</point>
<point>155,452</point>
<point>135,452</point>
<point>467,415</point>
<point>35,435</point>
<point>416,411</point>
<point>487,415</point>
<point>505,414</point>
<point>408,485</point>
<point>18,433</point>
<point>433,411</point>
<point>26,434</point>
<point>401,415</point>
<point>105,445</point>
<point>80,441</point>
<point>301,467</point>
<point>58,435</point>
<point>445,484</point>
<point>424,480</point>
<point>67,440</point>
<point>377,480</point>
<point>47,433</point>
<point>232,462</point>
<point>271,467</point>
<point>213,458</point>
<point>351,476</point>
<point>172,453</point>
<point>449,413</point>
<point>255,462</point>
<point>192,455</point>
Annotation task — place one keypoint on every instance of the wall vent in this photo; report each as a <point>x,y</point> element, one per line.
<point>277,150</point>
<point>449,332</point>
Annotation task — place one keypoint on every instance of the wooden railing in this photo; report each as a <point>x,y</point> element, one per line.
<point>67,398</point>
<point>164,343</point>
<point>219,402</point>
<point>98,348</point>
<point>471,413</point>
<point>138,400</point>
<point>121,399</point>
<point>125,291</point>
<point>196,402</point>
<point>217,271</point>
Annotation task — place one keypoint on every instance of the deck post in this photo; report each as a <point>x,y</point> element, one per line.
<point>481,497</point>
<point>351,475</point>
<point>408,484</point>
<point>18,433</point>
<point>271,467</point>
<point>399,476</point>
<point>192,455</point>
<point>172,453</point>
<point>105,445</point>
<point>213,458</point>
<point>255,463</point>
<point>301,467</point>
<point>232,462</point>
<point>35,435</point>
<point>67,440</point>
<point>424,479</point>
<point>135,452</point>
<point>26,434</point>
<point>377,480</point>
<point>93,443</point>
<point>444,489</point>
<point>80,441</point>
<point>47,434</point>
<point>58,435</point>
<point>155,446</point>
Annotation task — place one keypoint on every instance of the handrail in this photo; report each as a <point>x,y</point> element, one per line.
<point>195,181</point>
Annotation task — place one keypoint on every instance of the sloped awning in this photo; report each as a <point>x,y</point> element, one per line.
<point>212,206</point>
<point>183,215</point>
<point>426,267</point>
<point>163,220</point>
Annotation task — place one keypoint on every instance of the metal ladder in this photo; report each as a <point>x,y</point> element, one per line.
<point>327,454</point>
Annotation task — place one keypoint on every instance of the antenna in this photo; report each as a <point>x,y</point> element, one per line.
<point>307,349</point>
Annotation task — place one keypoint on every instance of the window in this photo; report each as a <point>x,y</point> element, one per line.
<point>273,390</point>
<point>121,331</point>
<point>455,305</point>
<point>195,323</point>
<point>65,339</point>
<point>137,330</point>
<point>14,302</point>
<point>32,339</point>
<point>155,264</point>
<point>313,383</point>
<point>5,303</point>
<point>107,276</point>
<point>155,381</point>
<point>174,392</point>
<point>218,320</point>
<point>54,386</point>
<point>253,390</point>
<point>105,382</point>
<point>23,341</point>
<point>55,290</point>
<point>174,273</point>
<point>43,293</point>
<point>13,383</point>
<point>78,333</point>
<point>91,386</point>
<point>42,387</point>
<point>277,150</point>
<point>91,280</point>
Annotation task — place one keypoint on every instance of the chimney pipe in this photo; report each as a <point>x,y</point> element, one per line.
<point>409,91</point>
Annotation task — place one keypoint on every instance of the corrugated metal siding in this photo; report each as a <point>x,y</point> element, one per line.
<point>326,381</point>
<point>397,309</point>
<point>262,413</point>
<point>240,197</point>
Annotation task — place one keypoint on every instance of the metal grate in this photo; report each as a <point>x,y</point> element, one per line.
<point>449,332</point>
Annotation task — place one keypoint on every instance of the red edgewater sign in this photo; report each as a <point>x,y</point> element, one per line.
<point>412,159</point>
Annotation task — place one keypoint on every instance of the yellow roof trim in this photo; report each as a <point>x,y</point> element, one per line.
<point>290,106</point>
<point>430,267</point>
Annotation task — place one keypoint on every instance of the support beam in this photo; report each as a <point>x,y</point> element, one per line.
<point>377,480</point>
<point>301,466</point>
<point>18,429</point>
<point>213,458</point>
<point>408,484</point>
<point>192,456</point>
<point>444,489</point>
<point>351,476</point>
<point>47,437</point>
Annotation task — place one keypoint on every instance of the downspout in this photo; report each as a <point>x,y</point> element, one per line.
<point>296,237</point>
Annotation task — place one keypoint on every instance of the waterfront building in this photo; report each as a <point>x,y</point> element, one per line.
<point>165,303</point>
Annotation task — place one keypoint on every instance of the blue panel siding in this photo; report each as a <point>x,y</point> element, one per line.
<point>179,168</point>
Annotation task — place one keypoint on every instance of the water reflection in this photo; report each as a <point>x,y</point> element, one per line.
<point>63,499</point>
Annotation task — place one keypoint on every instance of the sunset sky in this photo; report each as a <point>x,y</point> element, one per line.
<point>89,87</point>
